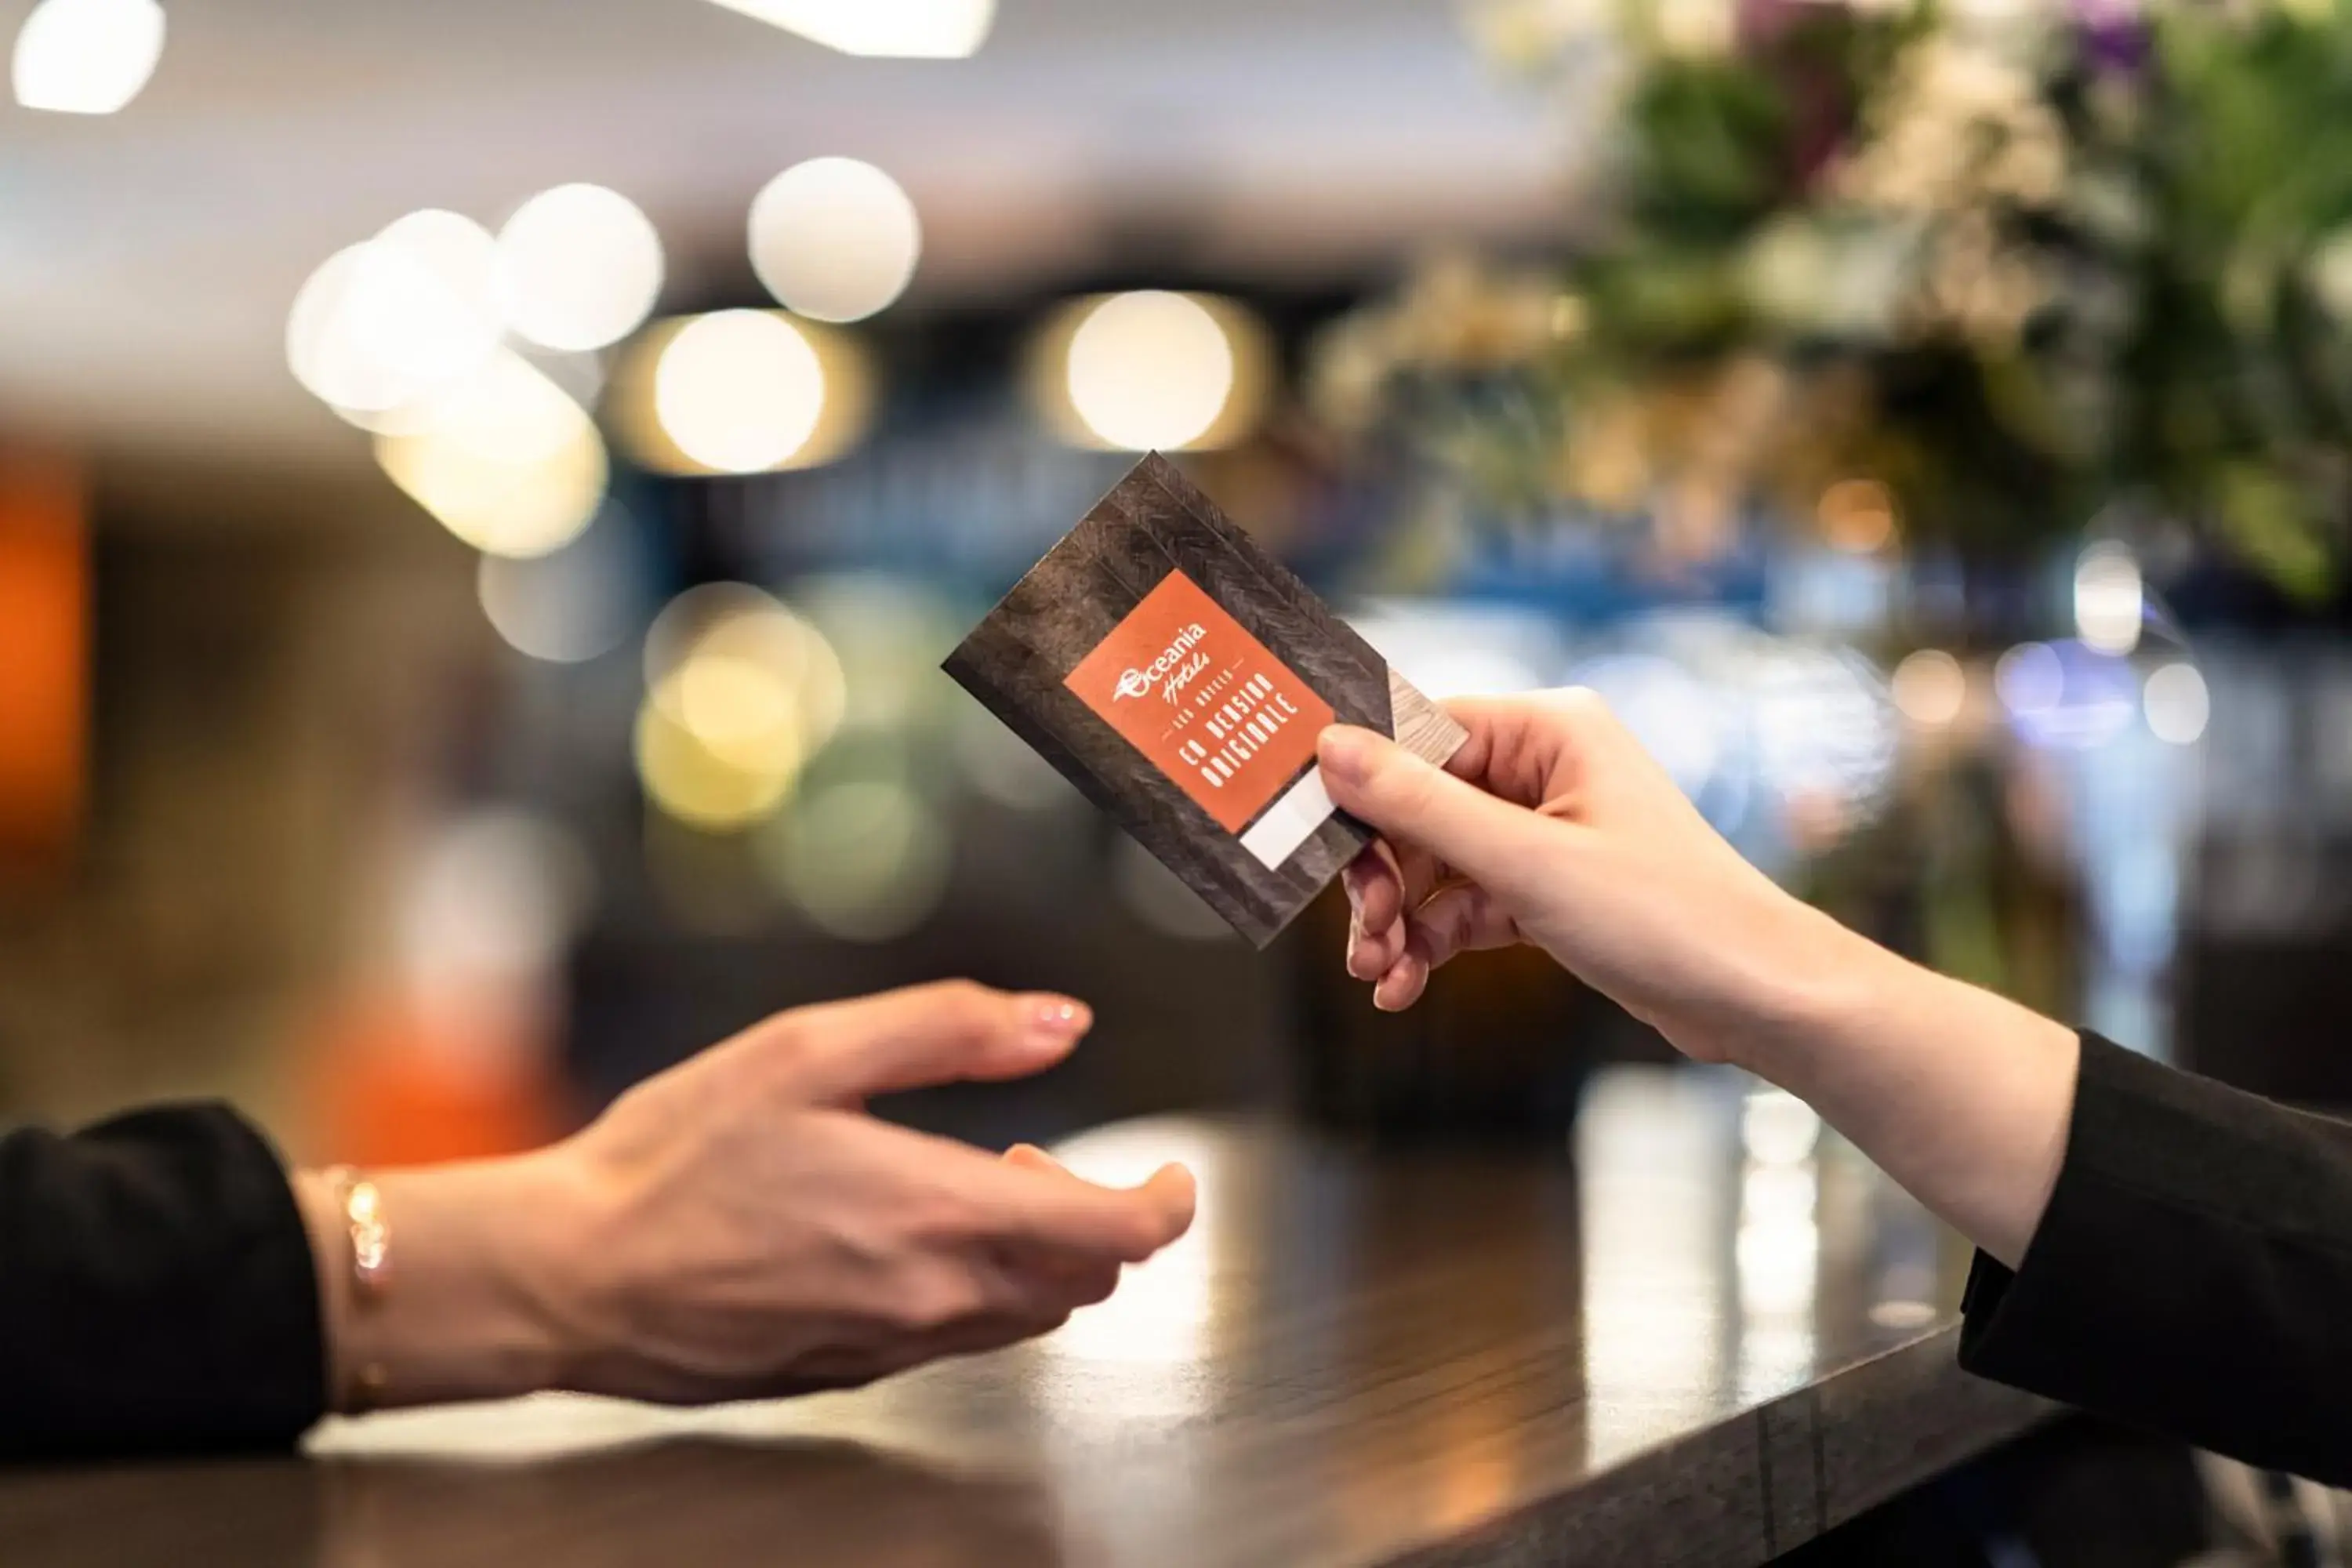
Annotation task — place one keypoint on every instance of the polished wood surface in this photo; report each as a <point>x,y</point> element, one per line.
<point>1704,1339</point>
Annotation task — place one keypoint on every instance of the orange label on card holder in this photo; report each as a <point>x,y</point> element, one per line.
<point>1204,700</point>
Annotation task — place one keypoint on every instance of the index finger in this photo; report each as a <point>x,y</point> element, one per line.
<point>926,1034</point>
<point>1525,748</point>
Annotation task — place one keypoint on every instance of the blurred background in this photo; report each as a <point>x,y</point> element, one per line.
<point>484,489</point>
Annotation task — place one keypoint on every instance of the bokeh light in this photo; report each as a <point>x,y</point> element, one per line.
<point>739,391</point>
<point>740,692</point>
<point>1903,1314</point>
<point>1777,1249</point>
<point>385,330</point>
<point>417,416</point>
<point>890,635</point>
<point>2178,704</point>
<point>1458,650</point>
<point>2067,695</point>
<point>461,257</point>
<point>1149,370</point>
<point>1930,688</point>
<point>1675,717</point>
<point>497,892</point>
<point>512,467</point>
<point>2109,598</point>
<point>1776,1128</point>
<point>1857,516</point>
<point>696,785</point>
<point>486,905</point>
<point>1786,744</point>
<point>1152,370</point>
<point>1824,737</point>
<point>909,29</point>
<point>579,267</point>
<point>835,239</point>
<point>330,329</point>
<point>86,57</point>
<point>732,663</point>
<point>864,859</point>
<point>2030,679</point>
<point>571,604</point>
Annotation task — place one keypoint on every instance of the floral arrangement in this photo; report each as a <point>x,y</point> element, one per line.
<point>1974,271</point>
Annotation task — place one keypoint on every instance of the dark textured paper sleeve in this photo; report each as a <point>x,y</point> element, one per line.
<point>1192,726</point>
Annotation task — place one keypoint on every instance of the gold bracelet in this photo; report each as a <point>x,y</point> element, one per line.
<point>363,1209</point>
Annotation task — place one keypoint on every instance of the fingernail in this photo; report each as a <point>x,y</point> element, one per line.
<point>1346,752</point>
<point>1352,882</point>
<point>1057,1020</point>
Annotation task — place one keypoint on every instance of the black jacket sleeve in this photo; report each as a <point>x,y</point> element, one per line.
<point>2192,1273</point>
<point>156,1290</point>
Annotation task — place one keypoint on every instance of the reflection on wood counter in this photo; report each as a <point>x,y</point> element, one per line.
<point>1705,1340</point>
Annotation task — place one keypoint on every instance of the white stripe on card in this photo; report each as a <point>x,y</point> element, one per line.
<point>1289,822</point>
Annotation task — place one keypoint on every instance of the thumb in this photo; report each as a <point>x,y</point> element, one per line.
<point>1413,802</point>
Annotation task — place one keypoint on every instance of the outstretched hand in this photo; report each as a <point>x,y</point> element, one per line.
<point>739,1227</point>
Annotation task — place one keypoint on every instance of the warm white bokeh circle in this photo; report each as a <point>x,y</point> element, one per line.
<point>394,322</point>
<point>835,239</point>
<point>512,467</point>
<point>579,267</point>
<point>1930,688</point>
<point>86,57</point>
<point>739,391</point>
<point>1149,371</point>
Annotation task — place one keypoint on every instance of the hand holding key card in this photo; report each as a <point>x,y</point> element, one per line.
<point>1178,675</point>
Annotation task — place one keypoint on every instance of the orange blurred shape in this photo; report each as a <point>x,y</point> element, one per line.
<point>44,660</point>
<point>391,1092</point>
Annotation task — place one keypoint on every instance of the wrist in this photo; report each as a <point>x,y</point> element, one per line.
<point>1961,1095</point>
<point>474,1308</point>
<point>1826,988</point>
<point>331,1258</point>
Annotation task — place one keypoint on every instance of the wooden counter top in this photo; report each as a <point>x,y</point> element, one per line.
<point>1704,1339</point>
